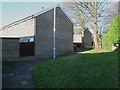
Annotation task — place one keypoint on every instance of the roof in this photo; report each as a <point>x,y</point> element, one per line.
<point>35,15</point>
<point>58,5</point>
<point>78,30</point>
<point>17,22</point>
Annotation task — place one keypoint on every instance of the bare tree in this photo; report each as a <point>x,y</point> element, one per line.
<point>95,10</point>
<point>78,13</point>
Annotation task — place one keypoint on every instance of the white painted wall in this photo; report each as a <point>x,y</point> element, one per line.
<point>77,38</point>
<point>23,29</point>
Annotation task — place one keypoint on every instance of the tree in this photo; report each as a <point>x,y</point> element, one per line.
<point>113,37</point>
<point>93,9</point>
<point>114,31</point>
<point>96,10</point>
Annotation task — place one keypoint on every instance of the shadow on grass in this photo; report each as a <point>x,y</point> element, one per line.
<point>83,49</point>
<point>98,70</point>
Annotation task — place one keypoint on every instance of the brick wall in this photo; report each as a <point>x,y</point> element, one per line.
<point>87,38</point>
<point>10,48</point>
<point>0,48</point>
<point>44,34</point>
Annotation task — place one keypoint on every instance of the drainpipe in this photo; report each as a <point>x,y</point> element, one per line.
<point>54,30</point>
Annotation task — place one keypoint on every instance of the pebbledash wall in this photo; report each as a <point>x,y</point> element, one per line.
<point>42,29</point>
<point>44,34</point>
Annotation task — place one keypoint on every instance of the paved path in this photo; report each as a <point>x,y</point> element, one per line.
<point>80,52</point>
<point>18,74</point>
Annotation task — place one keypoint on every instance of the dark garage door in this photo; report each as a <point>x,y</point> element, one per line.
<point>27,49</point>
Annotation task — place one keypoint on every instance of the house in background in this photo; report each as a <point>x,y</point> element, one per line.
<point>88,39</point>
<point>77,37</point>
<point>33,35</point>
<point>82,42</point>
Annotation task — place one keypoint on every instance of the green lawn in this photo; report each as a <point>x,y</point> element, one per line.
<point>98,70</point>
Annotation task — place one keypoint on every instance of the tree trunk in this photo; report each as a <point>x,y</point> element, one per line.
<point>96,39</point>
<point>83,25</point>
<point>83,28</point>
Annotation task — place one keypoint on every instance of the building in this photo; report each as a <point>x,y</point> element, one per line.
<point>88,39</point>
<point>33,35</point>
<point>79,41</point>
<point>77,37</point>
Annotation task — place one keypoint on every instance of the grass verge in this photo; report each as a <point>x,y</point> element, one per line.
<point>79,71</point>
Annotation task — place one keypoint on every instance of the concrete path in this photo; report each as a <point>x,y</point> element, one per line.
<point>18,74</point>
<point>80,52</point>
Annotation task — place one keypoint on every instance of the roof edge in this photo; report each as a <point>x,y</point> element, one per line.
<point>35,15</point>
<point>17,22</point>
<point>58,5</point>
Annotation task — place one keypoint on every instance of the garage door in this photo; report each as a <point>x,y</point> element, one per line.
<point>27,49</point>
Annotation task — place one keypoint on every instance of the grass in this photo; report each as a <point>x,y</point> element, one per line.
<point>79,71</point>
<point>97,51</point>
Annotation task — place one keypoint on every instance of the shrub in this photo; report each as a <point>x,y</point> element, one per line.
<point>112,36</point>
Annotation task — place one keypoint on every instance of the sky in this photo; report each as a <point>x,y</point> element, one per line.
<point>13,11</point>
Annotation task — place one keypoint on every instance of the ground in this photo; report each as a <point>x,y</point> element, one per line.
<point>80,70</point>
<point>17,74</point>
<point>92,70</point>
